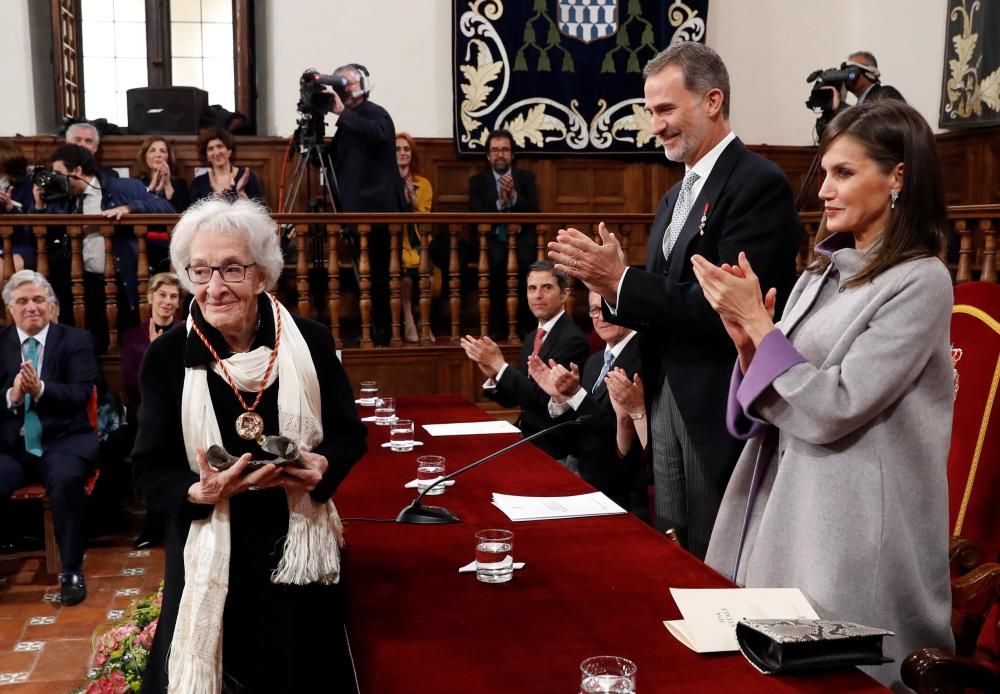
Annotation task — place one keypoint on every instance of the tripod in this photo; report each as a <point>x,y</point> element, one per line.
<point>310,150</point>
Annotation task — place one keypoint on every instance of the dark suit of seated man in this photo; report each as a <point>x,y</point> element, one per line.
<point>556,338</point>
<point>48,373</point>
<point>593,450</point>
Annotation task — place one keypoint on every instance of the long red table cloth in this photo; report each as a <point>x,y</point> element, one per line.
<point>592,586</point>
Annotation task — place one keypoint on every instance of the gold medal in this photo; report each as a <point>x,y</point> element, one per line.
<point>249,425</point>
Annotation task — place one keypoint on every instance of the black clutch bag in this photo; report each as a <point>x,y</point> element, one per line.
<point>774,646</point>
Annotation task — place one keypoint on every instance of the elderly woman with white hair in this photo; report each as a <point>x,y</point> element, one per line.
<point>251,596</point>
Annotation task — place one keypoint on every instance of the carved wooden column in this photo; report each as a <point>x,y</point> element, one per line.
<point>302,270</point>
<point>142,285</point>
<point>365,286</point>
<point>541,234</point>
<point>7,234</point>
<point>426,283</point>
<point>989,273</point>
<point>41,234</point>
<point>513,232</point>
<point>965,250</point>
<point>395,268</point>
<point>484,280</point>
<point>110,288</point>
<point>76,275</point>
<point>454,281</point>
<point>333,281</point>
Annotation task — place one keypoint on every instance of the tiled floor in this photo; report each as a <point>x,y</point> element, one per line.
<point>45,647</point>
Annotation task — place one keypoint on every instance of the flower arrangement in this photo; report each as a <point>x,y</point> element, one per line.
<point>121,649</point>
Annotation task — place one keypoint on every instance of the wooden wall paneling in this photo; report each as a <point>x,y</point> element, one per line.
<point>960,171</point>
<point>989,172</point>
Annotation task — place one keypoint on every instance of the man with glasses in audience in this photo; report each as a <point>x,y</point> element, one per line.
<point>502,188</point>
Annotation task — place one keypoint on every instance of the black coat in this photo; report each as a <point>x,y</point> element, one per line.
<point>256,612</point>
<point>363,154</point>
<point>565,343</point>
<point>595,445</point>
<point>69,371</point>
<point>751,209</point>
<point>483,192</point>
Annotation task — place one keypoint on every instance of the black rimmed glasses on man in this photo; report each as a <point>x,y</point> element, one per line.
<point>230,272</point>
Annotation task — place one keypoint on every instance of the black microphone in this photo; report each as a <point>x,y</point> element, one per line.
<point>418,513</point>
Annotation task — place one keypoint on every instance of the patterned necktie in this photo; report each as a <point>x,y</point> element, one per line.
<point>609,359</point>
<point>681,211</point>
<point>539,336</point>
<point>32,424</point>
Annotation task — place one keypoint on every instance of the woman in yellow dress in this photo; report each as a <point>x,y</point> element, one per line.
<point>419,196</point>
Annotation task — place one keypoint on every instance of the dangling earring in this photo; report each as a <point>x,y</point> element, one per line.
<point>894,196</point>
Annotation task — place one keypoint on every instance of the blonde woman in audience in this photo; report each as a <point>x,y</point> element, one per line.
<point>419,198</point>
<point>847,402</point>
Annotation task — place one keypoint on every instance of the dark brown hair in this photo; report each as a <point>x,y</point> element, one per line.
<point>893,132</point>
<point>206,135</point>
<point>141,167</point>
<point>13,163</point>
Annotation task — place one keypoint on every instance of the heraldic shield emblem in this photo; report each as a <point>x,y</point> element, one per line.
<point>588,20</point>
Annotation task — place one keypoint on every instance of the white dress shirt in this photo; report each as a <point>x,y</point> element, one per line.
<point>547,327</point>
<point>557,409</point>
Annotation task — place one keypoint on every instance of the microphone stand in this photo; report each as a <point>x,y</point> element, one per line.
<point>420,514</point>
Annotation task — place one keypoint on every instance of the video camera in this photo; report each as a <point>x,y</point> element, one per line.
<point>315,102</point>
<point>54,185</point>
<point>821,97</point>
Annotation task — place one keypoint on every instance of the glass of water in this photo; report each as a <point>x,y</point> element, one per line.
<point>429,468</point>
<point>385,411</point>
<point>609,674</point>
<point>401,435</point>
<point>493,561</point>
<point>369,393</point>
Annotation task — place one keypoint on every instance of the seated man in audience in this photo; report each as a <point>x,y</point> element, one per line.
<point>86,191</point>
<point>593,453</point>
<point>89,137</point>
<point>48,373</point>
<point>556,340</point>
<point>502,188</point>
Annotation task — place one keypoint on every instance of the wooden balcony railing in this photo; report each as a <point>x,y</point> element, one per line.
<point>317,243</point>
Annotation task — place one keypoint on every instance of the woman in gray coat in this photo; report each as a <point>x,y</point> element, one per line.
<point>847,402</point>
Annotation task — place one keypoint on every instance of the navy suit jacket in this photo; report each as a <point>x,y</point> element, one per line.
<point>751,209</point>
<point>565,343</point>
<point>69,371</point>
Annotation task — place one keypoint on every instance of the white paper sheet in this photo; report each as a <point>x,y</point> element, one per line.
<point>525,508</point>
<point>493,426</point>
<point>710,615</point>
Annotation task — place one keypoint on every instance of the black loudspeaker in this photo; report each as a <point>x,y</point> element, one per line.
<point>172,110</point>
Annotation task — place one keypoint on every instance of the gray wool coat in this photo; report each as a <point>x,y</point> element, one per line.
<point>852,505</point>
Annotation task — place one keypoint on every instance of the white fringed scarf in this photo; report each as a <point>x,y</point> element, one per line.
<point>315,535</point>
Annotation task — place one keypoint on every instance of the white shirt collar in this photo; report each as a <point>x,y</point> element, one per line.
<point>703,167</point>
<point>547,325</point>
<point>617,349</point>
<point>41,336</point>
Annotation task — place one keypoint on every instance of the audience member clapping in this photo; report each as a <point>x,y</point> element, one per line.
<point>155,166</point>
<point>223,180</point>
<point>419,197</point>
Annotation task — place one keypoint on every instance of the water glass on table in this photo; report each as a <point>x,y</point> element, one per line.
<point>493,561</point>
<point>429,468</point>
<point>369,394</point>
<point>609,674</point>
<point>401,435</point>
<point>385,411</point>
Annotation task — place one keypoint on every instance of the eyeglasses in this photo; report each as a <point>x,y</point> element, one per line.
<point>233,272</point>
<point>500,150</point>
<point>594,312</point>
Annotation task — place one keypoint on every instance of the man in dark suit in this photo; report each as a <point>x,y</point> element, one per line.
<point>557,338</point>
<point>502,188</point>
<point>48,372</point>
<point>730,200</point>
<point>868,86</point>
<point>363,154</point>
<point>593,449</point>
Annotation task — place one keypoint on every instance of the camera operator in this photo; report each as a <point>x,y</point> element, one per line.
<point>72,185</point>
<point>867,86</point>
<point>363,155</point>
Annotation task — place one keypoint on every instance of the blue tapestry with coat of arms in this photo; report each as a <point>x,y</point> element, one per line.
<point>563,76</point>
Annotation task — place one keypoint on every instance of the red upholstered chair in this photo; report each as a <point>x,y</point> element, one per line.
<point>36,492</point>
<point>974,458</point>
